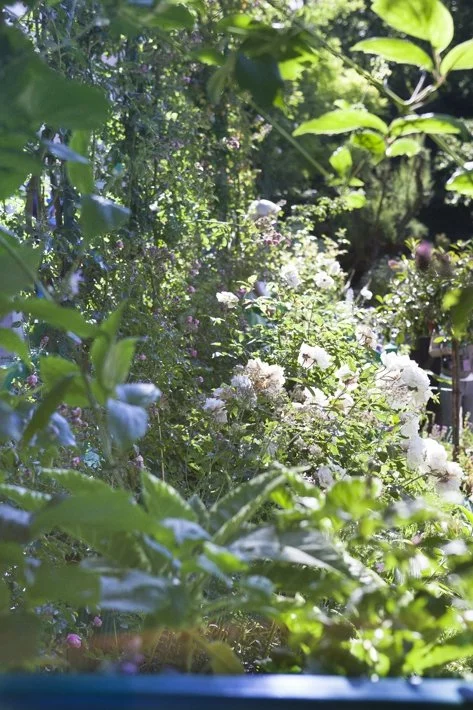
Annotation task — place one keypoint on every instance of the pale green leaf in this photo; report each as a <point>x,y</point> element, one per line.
<point>425,19</point>
<point>400,51</point>
<point>460,57</point>
<point>341,121</point>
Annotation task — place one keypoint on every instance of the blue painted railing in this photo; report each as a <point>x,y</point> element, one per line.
<point>179,692</point>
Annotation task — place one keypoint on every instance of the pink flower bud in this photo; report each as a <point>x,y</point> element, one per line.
<point>190,289</point>
<point>142,357</point>
<point>97,622</point>
<point>193,352</point>
<point>120,244</point>
<point>32,380</point>
<point>75,463</point>
<point>73,641</point>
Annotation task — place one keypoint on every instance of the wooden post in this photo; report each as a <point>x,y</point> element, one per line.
<point>456,398</point>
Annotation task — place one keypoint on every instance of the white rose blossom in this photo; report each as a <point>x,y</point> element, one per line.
<point>266,379</point>
<point>227,299</point>
<point>323,280</point>
<point>366,336</point>
<point>263,208</point>
<point>310,355</point>
<point>290,275</point>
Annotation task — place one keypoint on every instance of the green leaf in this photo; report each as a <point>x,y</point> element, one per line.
<point>420,659</point>
<point>136,592</point>
<point>53,368</point>
<point>64,152</point>
<point>236,508</point>
<point>341,161</point>
<point>403,146</point>
<point>25,498</point>
<point>260,76</point>
<point>108,511</point>
<point>75,482</point>
<point>47,408</point>
<point>209,56</point>
<point>13,343</point>
<point>81,173</point>
<point>354,200</point>
<point>18,272</point>
<point>19,638</point>
<point>101,216</point>
<point>60,317</point>
<point>163,501</point>
<point>429,123</point>
<point>459,302</point>
<point>11,423</point>
<point>223,659</point>
<point>15,166</point>
<point>117,363</point>
<point>341,121</point>
<point>58,101</point>
<point>425,19</point>
<point>15,525</point>
<point>310,548</point>
<point>141,394</point>
<point>370,141</point>
<point>395,50</point>
<point>126,422</point>
<point>462,180</point>
<point>458,58</point>
<point>70,584</point>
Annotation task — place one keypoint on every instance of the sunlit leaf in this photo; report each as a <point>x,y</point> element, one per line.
<point>396,50</point>
<point>341,121</point>
<point>426,19</point>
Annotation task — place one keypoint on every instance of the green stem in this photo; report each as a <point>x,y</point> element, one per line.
<point>285,134</point>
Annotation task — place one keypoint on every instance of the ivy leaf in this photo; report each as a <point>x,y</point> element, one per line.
<point>341,121</point>
<point>458,58</point>
<point>403,146</point>
<point>428,123</point>
<point>400,51</point>
<point>425,19</point>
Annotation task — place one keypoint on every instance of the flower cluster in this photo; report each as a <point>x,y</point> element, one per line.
<point>404,383</point>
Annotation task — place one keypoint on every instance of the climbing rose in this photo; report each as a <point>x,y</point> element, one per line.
<point>227,299</point>
<point>73,641</point>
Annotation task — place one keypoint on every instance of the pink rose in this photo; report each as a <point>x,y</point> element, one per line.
<point>73,641</point>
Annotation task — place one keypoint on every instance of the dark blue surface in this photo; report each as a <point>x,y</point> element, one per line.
<point>179,692</point>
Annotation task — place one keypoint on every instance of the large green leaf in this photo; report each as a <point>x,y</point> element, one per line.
<point>69,583</point>
<point>109,510</point>
<point>101,216</point>
<point>60,317</point>
<point>141,394</point>
<point>260,76</point>
<point>395,50</point>
<point>13,343</point>
<point>54,368</point>
<point>15,525</point>
<point>228,515</point>
<point>223,659</point>
<point>341,121</point>
<point>428,123</point>
<point>47,408</point>
<point>24,497</point>
<point>341,160</point>
<point>19,638</point>
<point>426,19</point>
<point>18,265</point>
<point>76,482</point>
<point>117,362</point>
<point>136,592</point>
<point>460,57</point>
<point>403,146</point>
<point>80,172</point>
<point>462,180</point>
<point>163,501</point>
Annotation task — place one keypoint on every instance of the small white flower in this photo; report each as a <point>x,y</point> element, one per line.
<point>323,280</point>
<point>343,401</point>
<point>366,294</point>
<point>290,275</point>
<point>263,208</point>
<point>227,299</point>
<point>75,281</point>
<point>314,355</point>
<point>216,407</point>
<point>415,452</point>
